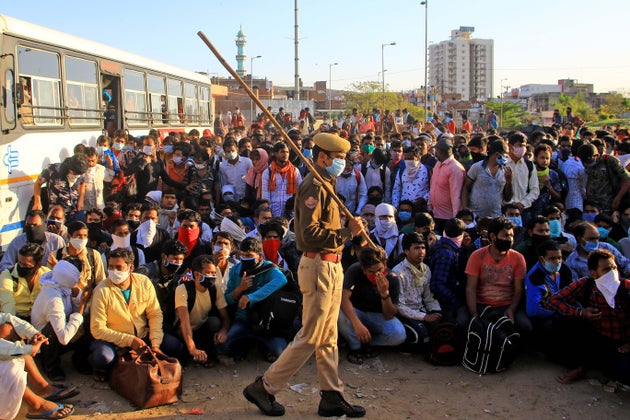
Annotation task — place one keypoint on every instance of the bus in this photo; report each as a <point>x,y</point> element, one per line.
<point>59,90</point>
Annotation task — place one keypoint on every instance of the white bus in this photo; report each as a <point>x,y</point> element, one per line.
<point>58,90</point>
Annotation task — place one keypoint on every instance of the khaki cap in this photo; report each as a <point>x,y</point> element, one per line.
<point>331,142</point>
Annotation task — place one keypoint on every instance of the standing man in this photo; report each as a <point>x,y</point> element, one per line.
<point>525,188</point>
<point>446,184</point>
<point>321,238</point>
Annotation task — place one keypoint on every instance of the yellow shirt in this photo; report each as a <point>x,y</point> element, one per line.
<point>200,310</point>
<point>116,321</point>
<point>18,301</point>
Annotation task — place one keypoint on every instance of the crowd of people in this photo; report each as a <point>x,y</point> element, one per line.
<point>173,243</point>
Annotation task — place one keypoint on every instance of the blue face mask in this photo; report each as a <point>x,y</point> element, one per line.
<point>551,267</point>
<point>516,220</point>
<point>168,148</point>
<point>590,246</point>
<point>603,233</point>
<point>308,153</point>
<point>555,228</point>
<point>404,216</point>
<point>501,160</point>
<point>336,168</point>
<point>589,217</point>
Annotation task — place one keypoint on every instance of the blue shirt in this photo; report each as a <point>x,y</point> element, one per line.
<point>263,285</point>
<point>540,285</point>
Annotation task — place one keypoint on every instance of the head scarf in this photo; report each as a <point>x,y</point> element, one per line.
<point>62,278</point>
<point>385,228</point>
<point>254,174</point>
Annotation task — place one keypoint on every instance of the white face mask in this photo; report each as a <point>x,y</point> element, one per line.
<point>608,284</point>
<point>200,166</point>
<point>177,160</point>
<point>78,243</point>
<point>411,164</point>
<point>232,155</point>
<point>117,277</point>
<point>72,179</point>
<point>147,150</point>
<point>218,248</point>
<point>118,146</point>
<point>121,241</point>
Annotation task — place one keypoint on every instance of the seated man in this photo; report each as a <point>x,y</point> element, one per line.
<point>417,305</point>
<point>121,238</point>
<point>588,240</point>
<point>34,231</point>
<point>249,282</point>
<point>149,236</point>
<point>125,313</point>
<point>52,314</point>
<point>15,358</point>
<point>201,311</point>
<point>189,234</point>
<point>222,248</point>
<point>546,278</point>
<point>369,306</point>
<point>603,300</point>
<point>447,263</point>
<point>537,233</point>
<point>495,276</point>
<point>19,286</point>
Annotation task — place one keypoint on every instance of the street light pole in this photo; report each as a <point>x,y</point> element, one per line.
<point>251,87</point>
<point>383,68</point>
<point>501,97</point>
<point>426,55</point>
<point>330,66</point>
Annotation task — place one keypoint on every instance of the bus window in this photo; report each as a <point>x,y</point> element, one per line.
<point>175,101</point>
<point>135,99</point>
<point>157,100</point>
<point>192,105</point>
<point>82,97</point>
<point>204,105</point>
<point>8,96</point>
<point>40,79</point>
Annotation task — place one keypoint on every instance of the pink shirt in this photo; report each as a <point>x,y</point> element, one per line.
<point>446,188</point>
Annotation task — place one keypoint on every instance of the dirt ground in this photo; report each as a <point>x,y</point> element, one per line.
<point>391,386</point>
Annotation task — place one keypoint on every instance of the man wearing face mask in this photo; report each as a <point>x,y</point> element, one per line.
<point>176,167</point>
<point>52,314</point>
<point>65,186</point>
<point>495,275</point>
<point>369,305</point>
<point>125,312</point>
<point>537,232</point>
<point>601,299</point>
<point>608,181</point>
<point>189,233</point>
<point>92,272</point>
<point>201,312</point>
<point>121,238</point>
<point>412,182</point>
<point>377,173</point>
<point>149,236</point>
<point>385,232</point>
<point>525,188</point>
<point>148,169</point>
<point>351,184</point>
<point>588,240</point>
<point>446,184</point>
<point>34,231</point>
<point>234,168</point>
<point>19,286</point>
<point>95,177</point>
<point>251,281</point>
<point>320,237</point>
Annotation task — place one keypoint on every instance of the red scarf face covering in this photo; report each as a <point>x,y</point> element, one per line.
<point>271,248</point>
<point>188,237</point>
<point>287,172</point>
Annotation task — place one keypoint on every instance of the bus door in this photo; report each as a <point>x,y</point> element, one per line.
<point>111,73</point>
<point>8,93</point>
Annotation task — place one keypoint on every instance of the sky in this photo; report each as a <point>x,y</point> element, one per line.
<point>535,41</point>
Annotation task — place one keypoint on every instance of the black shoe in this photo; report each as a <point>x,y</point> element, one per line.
<point>332,404</point>
<point>256,394</point>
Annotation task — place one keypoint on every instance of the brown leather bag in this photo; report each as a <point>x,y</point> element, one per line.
<point>146,379</point>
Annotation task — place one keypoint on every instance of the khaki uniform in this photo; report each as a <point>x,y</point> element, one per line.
<point>318,229</point>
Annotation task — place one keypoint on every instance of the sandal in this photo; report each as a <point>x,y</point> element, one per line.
<point>61,393</point>
<point>355,357</point>
<point>54,413</point>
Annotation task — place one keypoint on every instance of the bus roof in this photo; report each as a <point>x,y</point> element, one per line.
<point>29,31</point>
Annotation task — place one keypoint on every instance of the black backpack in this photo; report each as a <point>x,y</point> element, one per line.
<point>275,316</point>
<point>491,344</point>
<point>445,345</point>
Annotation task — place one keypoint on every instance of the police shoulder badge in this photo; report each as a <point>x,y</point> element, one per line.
<point>310,202</point>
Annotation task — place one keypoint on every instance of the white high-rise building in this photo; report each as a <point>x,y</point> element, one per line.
<point>462,65</point>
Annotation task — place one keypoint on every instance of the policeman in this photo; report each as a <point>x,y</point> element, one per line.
<point>320,237</point>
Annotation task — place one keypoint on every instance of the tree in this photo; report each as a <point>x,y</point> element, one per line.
<point>364,96</point>
<point>616,104</point>
<point>578,106</point>
<point>512,117</point>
